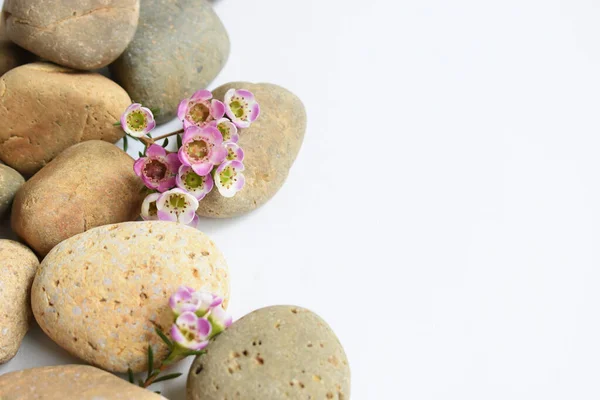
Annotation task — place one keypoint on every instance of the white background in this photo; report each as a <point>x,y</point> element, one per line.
<point>444,212</point>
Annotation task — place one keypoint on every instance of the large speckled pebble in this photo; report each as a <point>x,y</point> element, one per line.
<point>88,185</point>
<point>271,145</point>
<point>280,352</point>
<point>99,295</point>
<point>17,269</point>
<point>77,34</point>
<point>45,108</point>
<point>69,382</point>
<point>11,55</point>
<point>10,182</point>
<point>180,47</point>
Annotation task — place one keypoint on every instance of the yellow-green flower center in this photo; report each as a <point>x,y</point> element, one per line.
<point>177,201</point>
<point>136,120</point>
<point>227,176</point>
<point>197,149</point>
<point>193,181</point>
<point>199,112</point>
<point>152,210</point>
<point>224,129</point>
<point>237,108</point>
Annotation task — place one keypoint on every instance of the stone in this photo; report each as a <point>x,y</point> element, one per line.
<point>180,47</point>
<point>77,34</point>
<point>69,382</point>
<point>45,109</point>
<point>270,145</point>
<point>88,185</point>
<point>100,295</point>
<point>11,55</point>
<point>279,352</point>
<point>10,182</point>
<point>18,265</point>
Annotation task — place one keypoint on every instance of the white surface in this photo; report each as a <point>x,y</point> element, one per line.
<point>443,215</point>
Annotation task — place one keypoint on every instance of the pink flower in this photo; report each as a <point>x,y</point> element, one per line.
<point>241,106</point>
<point>149,210</point>
<point>137,121</point>
<point>200,109</point>
<point>228,130</point>
<point>229,178</point>
<point>158,169</point>
<point>178,206</point>
<point>219,319</point>
<point>198,186</point>
<point>234,152</point>
<point>196,301</point>
<point>202,149</point>
<point>190,331</point>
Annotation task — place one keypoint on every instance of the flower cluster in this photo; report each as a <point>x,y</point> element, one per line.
<point>199,316</point>
<point>208,153</point>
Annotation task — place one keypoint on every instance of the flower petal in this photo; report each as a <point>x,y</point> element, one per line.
<point>217,109</point>
<point>166,216</point>
<point>203,168</point>
<point>155,151</point>
<point>202,95</point>
<point>204,327</point>
<point>138,166</point>
<point>182,109</point>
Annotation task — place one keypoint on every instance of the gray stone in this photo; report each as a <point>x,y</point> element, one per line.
<point>270,145</point>
<point>11,55</point>
<point>180,47</point>
<point>280,352</point>
<point>69,382</point>
<point>10,182</point>
<point>81,34</point>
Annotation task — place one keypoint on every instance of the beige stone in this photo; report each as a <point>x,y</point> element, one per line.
<point>99,295</point>
<point>88,185</point>
<point>279,352</point>
<point>69,382</point>
<point>11,55</point>
<point>45,109</point>
<point>270,146</point>
<point>10,182</point>
<point>17,269</point>
<point>80,34</point>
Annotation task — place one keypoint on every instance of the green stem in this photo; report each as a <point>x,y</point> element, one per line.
<point>172,358</point>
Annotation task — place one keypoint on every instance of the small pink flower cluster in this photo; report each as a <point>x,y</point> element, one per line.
<point>199,317</point>
<point>208,154</point>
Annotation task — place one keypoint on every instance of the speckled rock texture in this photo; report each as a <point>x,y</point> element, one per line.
<point>88,185</point>
<point>80,34</point>
<point>17,269</point>
<point>11,55</point>
<point>180,47</point>
<point>99,295</point>
<point>10,182</point>
<point>280,352</point>
<point>69,382</point>
<point>270,145</point>
<point>45,109</point>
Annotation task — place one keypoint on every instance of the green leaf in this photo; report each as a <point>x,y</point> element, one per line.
<point>165,143</point>
<point>168,377</point>
<point>155,110</point>
<point>125,143</point>
<point>195,353</point>
<point>117,124</point>
<point>150,361</point>
<point>130,376</point>
<point>157,392</point>
<point>140,154</point>
<point>164,338</point>
<point>179,143</point>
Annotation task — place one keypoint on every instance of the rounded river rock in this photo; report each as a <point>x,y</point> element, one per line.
<point>10,182</point>
<point>100,295</point>
<point>69,382</point>
<point>270,145</point>
<point>17,269</point>
<point>11,55</point>
<point>280,352</point>
<point>88,185</point>
<point>45,108</point>
<point>78,34</point>
<point>180,47</point>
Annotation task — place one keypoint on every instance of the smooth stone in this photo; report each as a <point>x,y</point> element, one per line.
<point>180,47</point>
<point>10,182</point>
<point>77,34</point>
<point>270,145</point>
<point>17,269</point>
<point>88,185</point>
<point>99,295</point>
<point>11,55</point>
<point>45,109</point>
<point>279,352</point>
<point>69,382</point>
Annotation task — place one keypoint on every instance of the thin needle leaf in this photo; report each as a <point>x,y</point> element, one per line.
<point>150,362</point>
<point>179,143</point>
<point>168,377</point>
<point>130,376</point>
<point>125,143</point>
<point>165,143</point>
<point>164,338</point>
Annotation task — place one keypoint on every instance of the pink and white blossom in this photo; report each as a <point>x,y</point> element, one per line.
<point>137,121</point>
<point>219,319</point>
<point>149,210</point>
<point>234,152</point>
<point>229,178</point>
<point>241,107</point>
<point>177,205</point>
<point>228,130</point>
<point>158,170</point>
<point>200,109</point>
<point>191,332</point>
<point>198,186</point>
<point>202,149</point>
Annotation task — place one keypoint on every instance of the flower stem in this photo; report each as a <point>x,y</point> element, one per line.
<point>172,358</point>
<point>167,135</point>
